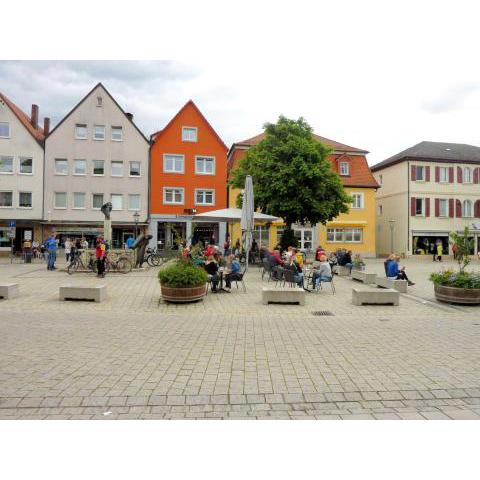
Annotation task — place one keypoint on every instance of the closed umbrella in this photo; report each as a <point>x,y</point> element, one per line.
<point>246,222</point>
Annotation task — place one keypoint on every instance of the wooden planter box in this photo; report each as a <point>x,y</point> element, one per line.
<point>463,296</point>
<point>183,295</point>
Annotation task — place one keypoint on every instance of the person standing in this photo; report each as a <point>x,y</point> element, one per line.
<point>455,251</point>
<point>51,249</point>
<point>434,251</point>
<point>439,252</point>
<point>68,249</point>
<point>100,253</point>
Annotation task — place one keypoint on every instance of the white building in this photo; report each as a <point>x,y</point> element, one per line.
<point>426,192</point>
<point>96,154</point>
<point>21,174</point>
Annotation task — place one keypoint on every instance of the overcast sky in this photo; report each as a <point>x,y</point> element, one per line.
<point>378,79</point>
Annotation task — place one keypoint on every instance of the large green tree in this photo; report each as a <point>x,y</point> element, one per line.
<point>292,176</point>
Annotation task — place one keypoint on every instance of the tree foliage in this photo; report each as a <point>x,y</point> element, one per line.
<point>292,177</point>
<point>465,246</point>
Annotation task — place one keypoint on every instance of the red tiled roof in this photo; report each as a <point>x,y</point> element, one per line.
<point>37,133</point>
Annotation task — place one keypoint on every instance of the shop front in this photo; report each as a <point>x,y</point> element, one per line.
<point>423,242</point>
<point>24,231</point>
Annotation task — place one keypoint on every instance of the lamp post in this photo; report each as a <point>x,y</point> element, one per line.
<point>136,216</point>
<point>392,228</point>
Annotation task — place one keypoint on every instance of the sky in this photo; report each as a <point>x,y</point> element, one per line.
<point>376,78</point>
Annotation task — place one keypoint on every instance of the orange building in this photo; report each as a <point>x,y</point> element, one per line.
<point>188,175</point>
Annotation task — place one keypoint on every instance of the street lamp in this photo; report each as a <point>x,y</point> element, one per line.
<point>136,216</point>
<point>392,228</point>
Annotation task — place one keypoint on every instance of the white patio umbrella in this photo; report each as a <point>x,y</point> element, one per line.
<point>247,221</point>
<point>231,215</point>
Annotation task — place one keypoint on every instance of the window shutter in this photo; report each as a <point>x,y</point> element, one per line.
<point>458,204</point>
<point>437,207</point>
<point>450,174</point>
<point>459,175</point>
<point>412,206</point>
<point>477,209</point>
<point>413,173</point>
<point>437,174</point>
<point>451,206</point>
<point>427,174</point>
<point>427,207</point>
<point>475,175</point>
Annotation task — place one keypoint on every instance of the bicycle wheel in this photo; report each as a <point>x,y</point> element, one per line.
<point>149,260</point>
<point>156,260</point>
<point>124,265</point>
<point>72,268</point>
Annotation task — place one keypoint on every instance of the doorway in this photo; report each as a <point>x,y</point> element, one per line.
<point>304,236</point>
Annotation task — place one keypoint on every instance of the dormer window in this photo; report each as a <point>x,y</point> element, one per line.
<point>4,130</point>
<point>189,134</point>
<point>344,168</point>
<point>99,101</point>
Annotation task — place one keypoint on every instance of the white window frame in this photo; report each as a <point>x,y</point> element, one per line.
<point>205,157</point>
<point>339,234</point>
<point>165,155</point>
<point>204,190</point>
<point>77,125</point>
<point>184,128</point>
<point>420,168</point>
<point>465,169</point>
<point>13,165</point>
<point>111,168</point>
<point>440,170</point>
<point>130,195</point>
<point>103,200</point>
<point>75,167</point>
<point>445,202</point>
<point>116,128</point>
<point>117,195</point>
<point>8,206</point>
<point>422,214</point>
<point>342,173</point>
<point>9,130</point>
<point>55,200</point>
<point>93,168</point>
<point>95,133</point>
<point>20,166</point>
<point>84,200</point>
<point>61,160</point>
<point>31,200</point>
<point>181,189</point>
<point>130,169</point>
<point>362,200</point>
<point>471,208</point>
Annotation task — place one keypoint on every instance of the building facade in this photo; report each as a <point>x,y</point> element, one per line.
<point>426,192</point>
<point>188,176</point>
<point>21,174</point>
<point>96,154</point>
<point>354,230</point>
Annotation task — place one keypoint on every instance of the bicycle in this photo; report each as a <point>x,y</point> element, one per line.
<point>115,262</point>
<point>78,262</point>
<point>153,258</point>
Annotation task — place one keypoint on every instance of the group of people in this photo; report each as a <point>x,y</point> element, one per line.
<point>73,247</point>
<point>394,271</point>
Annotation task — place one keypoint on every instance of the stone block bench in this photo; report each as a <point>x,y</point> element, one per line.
<point>77,292</point>
<point>399,285</point>
<point>361,276</point>
<point>8,290</point>
<point>283,295</point>
<point>342,271</point>
<point>375,296</point>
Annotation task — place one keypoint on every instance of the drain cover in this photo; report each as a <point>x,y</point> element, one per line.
<point>323,313</point>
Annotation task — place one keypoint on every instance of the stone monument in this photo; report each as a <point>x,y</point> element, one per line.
<point>107,223</point>
<point>140,246</point>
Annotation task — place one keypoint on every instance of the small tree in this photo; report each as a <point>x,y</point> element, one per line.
<point>465,246</point>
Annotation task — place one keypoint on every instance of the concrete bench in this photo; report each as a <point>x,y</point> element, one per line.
<point>283,295</point>
<point>375,296</point>
<point>399,285</point>
<point>342,271</point>
<point>71,292</point>
<point>362,276</point>
<point>8,290</point>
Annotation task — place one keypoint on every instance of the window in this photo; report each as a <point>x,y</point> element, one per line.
<point>78,200</point>
<point>117,134</point>
<point>380,209</point>
<point>25,199</point>
<point>135,169</point>
<point>357,200</point>
<point>134,202</point>
<point>419,173</point>
<point>4,130</point>
<point>80,167</point>
<point>99,101</point>
<point>443,174</point>
<point>467,208</point>
<point>344,168</point>
<point>189,134</point>
<point>380,179</point>
<point>6,199</point>
<point>205,165</point>
<point>204,197</point>
<point>80,131</point>
<point>26,165</point>
<point>117,169</point>
<point>344,235</point>
<point>419,206</point>
<point>173,163</point>
<point>99,132</point>
<point>443,204</point>
<point>467,175</point>
<point>97,201</point>
<point>117,201</point>
<point>61,166</point>
<point>98,167</point>
<point>60,200</point>
<point>261,234</point>
<point>6,164</point>
<point>173,196</point>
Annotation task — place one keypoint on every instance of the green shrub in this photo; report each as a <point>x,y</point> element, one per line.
<point>449,278</point>
<point>182,274</point>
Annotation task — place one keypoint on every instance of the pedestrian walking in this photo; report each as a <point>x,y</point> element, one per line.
<point>434,251</point>
<point>100,253</point>
<point>51,249</point>
<point>439,252</point>
<point>68,249</point>
<point>455,248</point>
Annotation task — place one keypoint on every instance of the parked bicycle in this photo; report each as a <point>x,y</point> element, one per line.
<point>115,262</point>
<point>78,263</point>
<point>153,257</point>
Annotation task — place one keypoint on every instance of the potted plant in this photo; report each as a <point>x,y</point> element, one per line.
<point>182,281</point>
<point>458,287</point>
<point>358,263</point>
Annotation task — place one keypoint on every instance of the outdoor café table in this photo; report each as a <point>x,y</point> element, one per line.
<point>220,288</point>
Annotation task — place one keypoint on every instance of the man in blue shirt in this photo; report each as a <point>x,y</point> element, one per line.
<point>51,247</point>
<point>130,242</point>
<point>234,273</point>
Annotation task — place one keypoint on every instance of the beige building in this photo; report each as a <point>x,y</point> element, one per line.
<point>96,154</point>
<point>426,192</point>
<point>21,175</point>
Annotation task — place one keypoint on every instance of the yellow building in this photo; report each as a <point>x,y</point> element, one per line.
<point>354,230</point>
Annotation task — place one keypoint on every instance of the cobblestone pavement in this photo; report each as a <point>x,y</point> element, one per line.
<point>229,356</point>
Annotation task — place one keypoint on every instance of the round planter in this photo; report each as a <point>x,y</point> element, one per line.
<point>183,295</point>
<point>463,296</point>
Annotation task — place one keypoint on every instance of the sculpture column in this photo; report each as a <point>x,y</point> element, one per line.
<point>107,231</point>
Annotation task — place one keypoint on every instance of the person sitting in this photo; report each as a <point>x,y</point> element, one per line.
<point>297,273</point>
<point>209,250</point>
<point>346,260</point>
<point>234,271</point>
<point>390,258</point>
<point>319,252</point>
<point>397,273</point>
<point>211,266</point>
<point>297,255</point>
<point>333,262</point>
<point>322,272</point>
<point>275,258</point>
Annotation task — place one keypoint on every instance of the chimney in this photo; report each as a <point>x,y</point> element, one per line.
<point>46,126</point>
<point>34,117</point>
<point>129,116</point>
